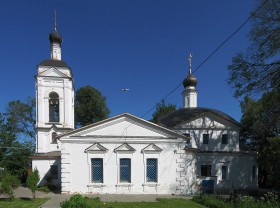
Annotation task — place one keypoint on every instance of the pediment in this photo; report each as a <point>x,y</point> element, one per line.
<point>151,148</point>
<point>208,120</point>
<point>96,148</point>
<point>52,72</point>
<point>124,148</point>
<point>123,126</point>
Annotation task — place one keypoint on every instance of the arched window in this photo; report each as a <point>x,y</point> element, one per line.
<point>54,140</point>
<point>53,107</point>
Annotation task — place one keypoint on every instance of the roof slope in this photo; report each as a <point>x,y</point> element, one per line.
<point>186,114</point>
<point>55,63</point>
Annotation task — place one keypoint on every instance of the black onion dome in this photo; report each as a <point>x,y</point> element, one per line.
<point>190,81</point>
<point>55,37</point>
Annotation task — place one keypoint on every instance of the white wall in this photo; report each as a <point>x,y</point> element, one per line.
<point>79,175</point>
<point>43,166</point>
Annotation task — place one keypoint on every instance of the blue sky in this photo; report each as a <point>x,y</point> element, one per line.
<point>142,45</point>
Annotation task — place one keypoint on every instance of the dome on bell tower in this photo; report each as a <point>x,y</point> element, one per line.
<point>190,81</point>
<point>55,37</point>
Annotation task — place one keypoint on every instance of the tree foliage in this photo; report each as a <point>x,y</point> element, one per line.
<point>162,109</point>
<point>261,128</point>
<point>8,184</point>
<point>32,181</point>
<point>258,69</point>
<point>17,135</point>
<point>90,106</point>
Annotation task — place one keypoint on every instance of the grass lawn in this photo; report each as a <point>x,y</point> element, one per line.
<point>22,203</point>
<point>162,203</point>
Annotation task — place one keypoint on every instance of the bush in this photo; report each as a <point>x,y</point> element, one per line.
<point>44,189</point>
<point>211,201</point>
<point>8,184</point>
<point>269,200</point>
<point>74,202</point>
<point>32,181</point>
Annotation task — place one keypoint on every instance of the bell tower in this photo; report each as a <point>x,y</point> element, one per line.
<point>54,97</point>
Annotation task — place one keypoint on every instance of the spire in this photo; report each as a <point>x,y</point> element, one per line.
<point>55,40</point>
<point>190,63</point>
<point>54,20</point>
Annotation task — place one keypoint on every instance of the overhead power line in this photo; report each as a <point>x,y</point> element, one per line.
<point>211,54</point>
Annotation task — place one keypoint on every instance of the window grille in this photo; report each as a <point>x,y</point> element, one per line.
<point>97,170</point>
<point>125,170</point>
<point>152,170</point>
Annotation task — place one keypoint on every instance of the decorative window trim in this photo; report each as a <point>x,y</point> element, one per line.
<point>151,155</point>
<point>151,148</point>
<point>100,155</point>
<point>96,148</point>
<point>125,151</point>
<point>91,169</point>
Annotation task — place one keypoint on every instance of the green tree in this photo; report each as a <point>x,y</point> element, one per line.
<point>21,117</point>
<point>8,184</point>
<point>17,135</point>
<point>258,69</point>
<point>260,126</point>
<point>161,110</point>
<point>90,106</point>
<point>32,181</point>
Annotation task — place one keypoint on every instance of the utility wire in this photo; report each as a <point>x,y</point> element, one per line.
<point>211,54</point>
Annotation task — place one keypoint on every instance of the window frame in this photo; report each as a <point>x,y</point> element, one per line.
<point>92,169</point>
<point>224,175</point>
<point>205,139</point>
<point>156,171</point>
<point>206,175</point>
<point>224,138</point>
<point>122,168</point>
<point>54,107</point>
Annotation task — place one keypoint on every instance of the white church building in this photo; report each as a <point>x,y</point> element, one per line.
<point>192,149</point>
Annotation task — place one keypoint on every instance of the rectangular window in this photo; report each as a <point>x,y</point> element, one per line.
<point>205,138</point>
<point>97,170</point>
<point>206,170</point>
<point>224,172</point>
<point>224,139</point>
<point>152,170</point>
<point>125,170</point>
<point>254,172</point>
<point>54,171</point>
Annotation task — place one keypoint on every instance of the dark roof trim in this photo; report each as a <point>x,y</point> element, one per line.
<point>47,155</point>
<point>187,114</point>
<point>53,62</point>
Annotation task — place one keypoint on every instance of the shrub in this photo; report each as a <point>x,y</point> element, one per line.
<point>44,189</point>
<point>32,181</point>
<point>211,201</point>
<point>8,184</point>
<point>74,202</point>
